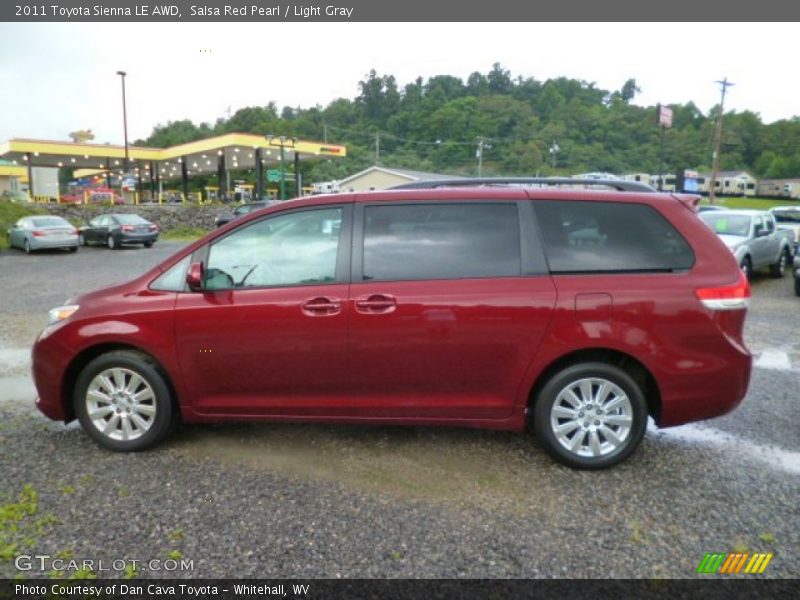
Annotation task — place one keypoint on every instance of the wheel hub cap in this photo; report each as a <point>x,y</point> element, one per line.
<point>591,417</point>
<point>121,404</point>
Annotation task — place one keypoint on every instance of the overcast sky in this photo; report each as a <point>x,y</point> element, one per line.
<point>59,77</point>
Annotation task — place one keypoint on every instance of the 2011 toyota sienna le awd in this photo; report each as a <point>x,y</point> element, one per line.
<point>578,312</point>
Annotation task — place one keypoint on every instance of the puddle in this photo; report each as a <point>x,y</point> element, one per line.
<point>17,388</point>
<point>777,458</point>
<point>774,359</point>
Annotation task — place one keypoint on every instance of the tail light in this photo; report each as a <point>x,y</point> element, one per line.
<point>153,227</point>
<point>37,233</point>
<point>727,297</point>
<point>127,228</point>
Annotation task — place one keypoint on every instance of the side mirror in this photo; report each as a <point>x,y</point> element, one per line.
<point>761,232</point>
<point>194,277</point>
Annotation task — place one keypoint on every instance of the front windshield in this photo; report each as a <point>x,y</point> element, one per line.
<point>727,223</point>
<point>787,216</point>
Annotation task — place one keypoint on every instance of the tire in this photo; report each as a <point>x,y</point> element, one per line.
<point>111,242</point>
<point>113,376</point>
<point>778,269</point>
<point>796,285</point>
<point>148,244</point>
<point>73,248</point>
<point>81,240</point>
<point>747,267</point>
<point>27,247</point>
<point>607,437</point>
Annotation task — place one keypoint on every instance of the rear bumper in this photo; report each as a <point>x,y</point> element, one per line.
<point>43,243</point>
<point>137,238</point>
<point>714,388</point>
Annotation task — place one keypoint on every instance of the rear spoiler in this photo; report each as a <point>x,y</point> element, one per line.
<point>690,201</point>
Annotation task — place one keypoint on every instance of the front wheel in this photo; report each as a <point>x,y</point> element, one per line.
<point>123,402</point>
<point>590,416</point>
<point>796,285</point>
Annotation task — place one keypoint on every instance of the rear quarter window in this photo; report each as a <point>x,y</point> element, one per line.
<point>586,237</point>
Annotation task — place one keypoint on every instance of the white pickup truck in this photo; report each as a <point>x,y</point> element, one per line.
<point>754,239</point>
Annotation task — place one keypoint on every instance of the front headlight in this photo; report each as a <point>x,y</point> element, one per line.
<point>60,313</point>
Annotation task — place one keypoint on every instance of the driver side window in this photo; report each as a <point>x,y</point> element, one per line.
<point>298,248</point>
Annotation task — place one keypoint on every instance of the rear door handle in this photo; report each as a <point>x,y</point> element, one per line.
<point>376,304</point>
<point>322,307</point>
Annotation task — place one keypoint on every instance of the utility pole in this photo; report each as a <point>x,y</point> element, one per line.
<point>125,121</point>
<point>712,184</point>
<point>479,153</point>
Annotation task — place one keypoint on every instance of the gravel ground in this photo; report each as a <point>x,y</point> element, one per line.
<point>267,500</point>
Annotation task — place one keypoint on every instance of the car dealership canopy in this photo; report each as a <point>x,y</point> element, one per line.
<point>232,151</point>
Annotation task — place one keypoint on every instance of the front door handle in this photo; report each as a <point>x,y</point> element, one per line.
<point>322,307</point>
<point>376,304</point>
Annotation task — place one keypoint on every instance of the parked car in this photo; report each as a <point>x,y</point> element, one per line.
<point>42,232</point>
<point>109,198</point>
<point>710,207</point>
<point>754,239</point>
<point>239,211</point>
<point>459,306</point>
<point>18,197</point>
<point>788,217</point>
<point>117,230</point>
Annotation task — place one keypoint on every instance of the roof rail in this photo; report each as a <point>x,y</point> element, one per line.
<point>620,185</point>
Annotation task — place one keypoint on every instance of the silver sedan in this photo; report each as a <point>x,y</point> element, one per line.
<point>40,232</point>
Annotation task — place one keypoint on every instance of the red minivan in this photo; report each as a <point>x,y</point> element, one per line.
<point>578,312</point>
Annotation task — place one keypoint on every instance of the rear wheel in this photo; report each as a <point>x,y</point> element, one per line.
<point>111,242</point>
<point>590,415</point>
<point>747,267</point>
<point>148,244</point>
<point>796,285</point>
<point>26,247</point>
<point>73,248</point>
<point>123,402</point>
<point>778,268</point>
<point>81,239</point>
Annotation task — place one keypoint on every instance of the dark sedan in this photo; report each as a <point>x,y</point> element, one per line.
<point>117,230</point>
<point>239,211</point>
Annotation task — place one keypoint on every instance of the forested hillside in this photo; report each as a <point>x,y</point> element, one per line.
<point>436,125</point>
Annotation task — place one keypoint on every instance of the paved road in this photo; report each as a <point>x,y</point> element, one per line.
<point>321,501</point>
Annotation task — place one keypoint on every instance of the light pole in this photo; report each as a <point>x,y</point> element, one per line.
<point>282,143</point>
<point>124,119</point>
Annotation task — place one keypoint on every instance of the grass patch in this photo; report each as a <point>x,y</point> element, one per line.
<point>755,203</point>
<point>183,233</point>
<point>10,213</point>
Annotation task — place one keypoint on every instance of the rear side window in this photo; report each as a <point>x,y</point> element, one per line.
<point>585,237</point>
<point>441,241</point>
